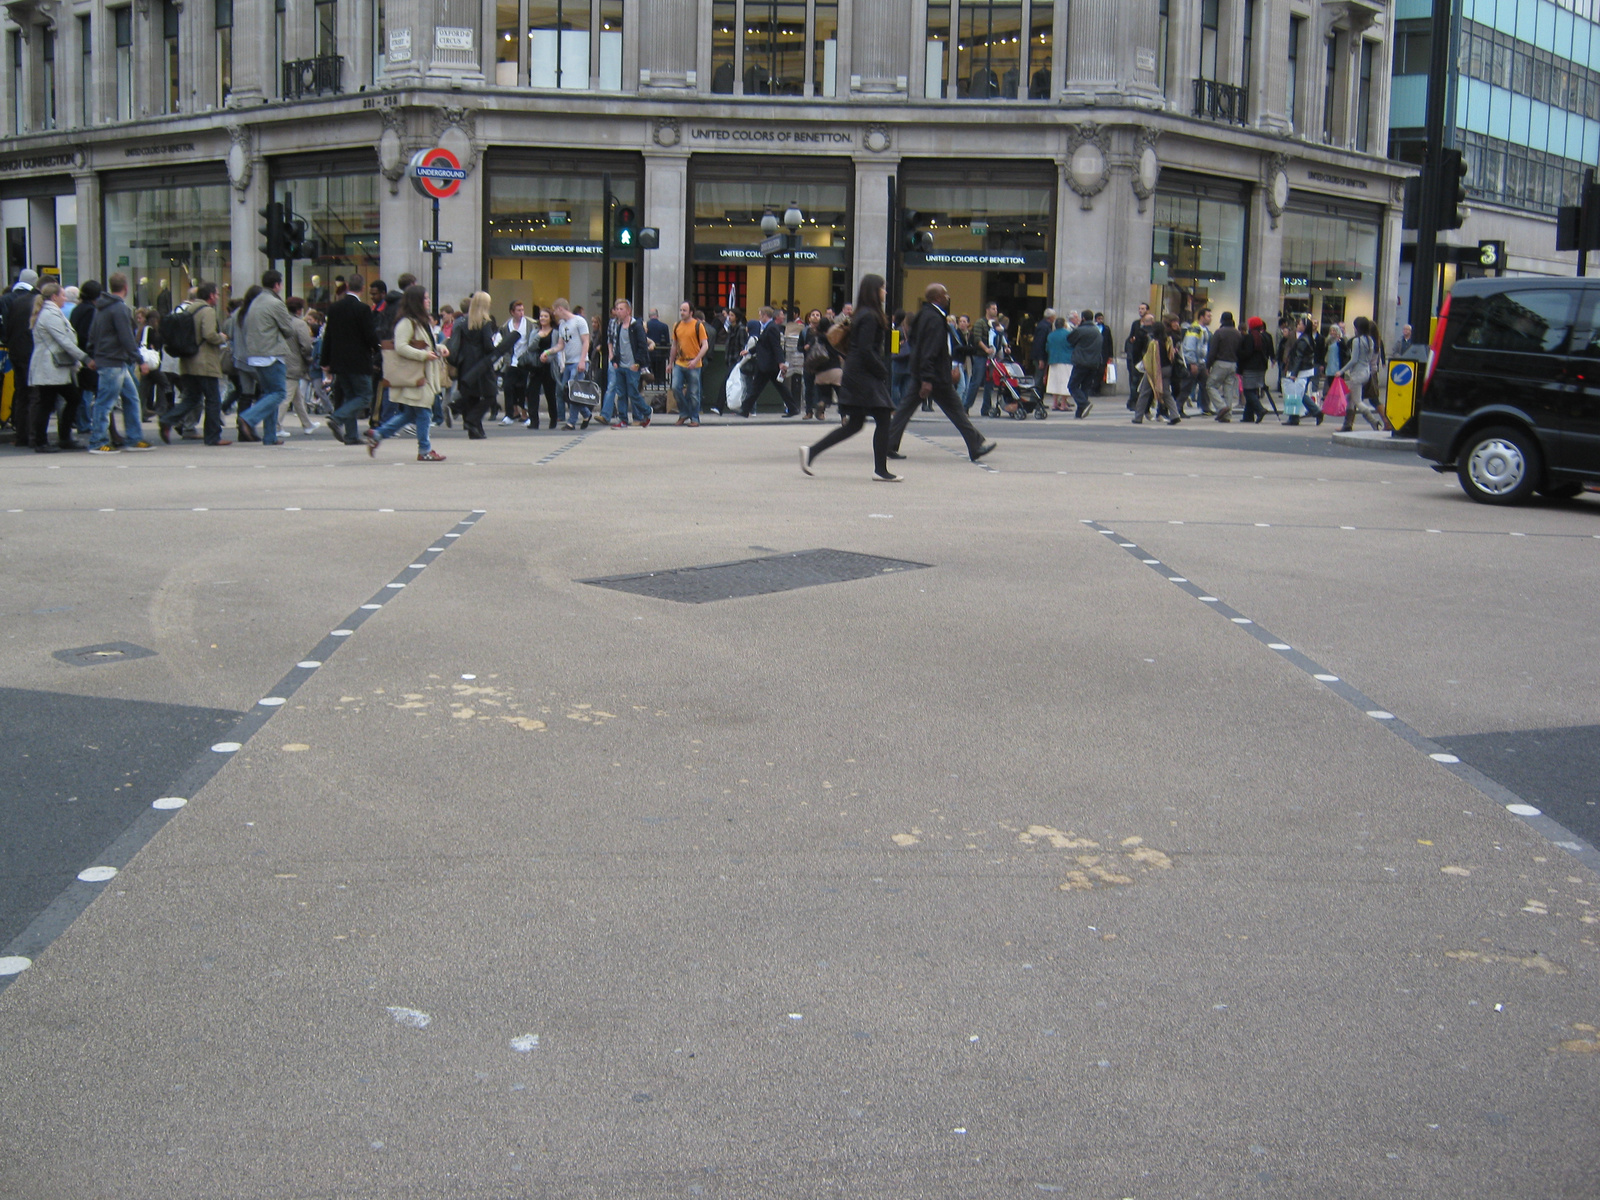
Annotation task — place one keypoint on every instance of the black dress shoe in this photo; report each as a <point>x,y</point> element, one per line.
<point>982,450</point>
<point>69,444</point>
<point>46,448</point>
<point>896,454</point>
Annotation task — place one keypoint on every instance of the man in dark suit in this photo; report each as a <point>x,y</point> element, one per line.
<point>660,336</point>
<point>349,342</point>
<point>931,376</point>
<point>768,357</point>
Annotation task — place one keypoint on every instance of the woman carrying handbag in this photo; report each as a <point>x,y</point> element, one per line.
<point>864,387</point>
<point>414,371</point>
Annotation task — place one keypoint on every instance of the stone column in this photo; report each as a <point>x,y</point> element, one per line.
<point>668,44</point>
<point>870,237</point>
<point>1269,73</point>
<point>91,264</point>
<point>254,62</point>
<point>248,201</point>
<point>881,50</point>
<point>1184,44</point>
<point>1263,288</point>
<point>1111,52</point>
<point>666,206</point>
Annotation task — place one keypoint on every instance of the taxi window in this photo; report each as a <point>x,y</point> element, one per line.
<point>1521,322</point>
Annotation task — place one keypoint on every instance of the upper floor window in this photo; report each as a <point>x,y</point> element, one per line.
<point>47,56</point>
<point>86,70</point>
<point>1297,30</point>
<point>223,15</point>
<point>19,106</point>
<point>571,45</point>
<point>775,47</point>
<point>1364,98</point>
<point>1330,79</point>
<point>1002,49</point>
<point>171,96</point>
<point>1208,39</point>
<point>326,13</point>
<point>122,27</point>
<point>1245,44</point>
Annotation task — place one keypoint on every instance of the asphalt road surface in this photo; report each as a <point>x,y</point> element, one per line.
<point>1148,812</point>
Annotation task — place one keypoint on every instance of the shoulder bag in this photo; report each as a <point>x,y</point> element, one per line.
<point>402,372</point>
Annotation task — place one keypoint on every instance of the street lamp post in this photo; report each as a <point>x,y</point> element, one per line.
<point>769,226</point>
<point>792,220</point>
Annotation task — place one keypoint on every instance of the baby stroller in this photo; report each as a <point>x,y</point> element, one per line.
<point>1018,391</point>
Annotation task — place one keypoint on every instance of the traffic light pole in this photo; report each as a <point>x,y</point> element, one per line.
<point>288,260</point>
<point>605,284</point>
<point>893,257</point>
<point>435,292</point>
<point>1433,182</point>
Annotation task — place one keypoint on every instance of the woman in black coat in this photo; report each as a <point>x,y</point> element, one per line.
<point>864,390</point>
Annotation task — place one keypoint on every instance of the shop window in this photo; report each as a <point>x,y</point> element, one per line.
<point>224,26</point>
<point>1297,30</point>
<point>171,97</point>
<point>546,231</point>
<point>1329,265</point>
<point>341,214</point>
<point>992,235</point>
<point>1197,255</point>
<point>380,42</point>
<point>989,49</point>
<point>719,287</point>
<point>86,70</point>
<point>728,207</point>
<point>166,238</point>
<point>47,58</point>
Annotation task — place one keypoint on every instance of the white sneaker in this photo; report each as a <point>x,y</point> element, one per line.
<point>505,420</point>
<point>313,427</point>
<point>805,459</point>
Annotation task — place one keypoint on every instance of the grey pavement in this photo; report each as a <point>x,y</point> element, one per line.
<point>1029,873</point>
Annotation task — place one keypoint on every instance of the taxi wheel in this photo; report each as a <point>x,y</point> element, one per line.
<point>1499,465</point>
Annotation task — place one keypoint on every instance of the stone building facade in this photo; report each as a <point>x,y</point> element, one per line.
<point>1077,152</point>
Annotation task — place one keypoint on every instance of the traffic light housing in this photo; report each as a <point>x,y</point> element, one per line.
<point>1452,189</point>
<point>916,240</point>
<point>626,236</point>
<point>649,238</point>
<point>1411,213</point>
<point>296,242</point>
<point>272,232</point>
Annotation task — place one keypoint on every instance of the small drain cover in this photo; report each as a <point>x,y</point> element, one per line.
<point>756,576</point>
<point>108,652</point>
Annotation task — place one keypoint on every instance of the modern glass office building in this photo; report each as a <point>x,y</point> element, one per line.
<point>1525,93</point>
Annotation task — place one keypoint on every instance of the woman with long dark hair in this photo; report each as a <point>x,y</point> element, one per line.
<point>413,394</point>
<point>864,388</point>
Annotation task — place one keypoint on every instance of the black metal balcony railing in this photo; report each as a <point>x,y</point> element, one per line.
<point>312,77</point>
<point>1220,102</point>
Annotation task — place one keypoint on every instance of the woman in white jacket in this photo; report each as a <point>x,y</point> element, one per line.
<point>415,373</point>
<point>52,371</point>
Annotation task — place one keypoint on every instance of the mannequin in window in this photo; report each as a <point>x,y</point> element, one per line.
<point>1008,83</point>
<point>1039,84</point>
<point>757,80</point>
<point>722,79</point>
<point>984,85</point>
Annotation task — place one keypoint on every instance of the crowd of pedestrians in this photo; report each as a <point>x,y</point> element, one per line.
<point>383,359</point>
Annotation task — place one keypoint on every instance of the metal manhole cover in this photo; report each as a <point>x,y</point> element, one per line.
<point>109,652</point>
<point>756,576</point>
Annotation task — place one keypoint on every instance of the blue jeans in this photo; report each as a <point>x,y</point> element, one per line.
<point>980,375</point>
<point>355,398</point>
<point>274,388</point>
<point>403,415</point>
<point>623,387</point>
<point>686,383</point>
<point>115,382</point>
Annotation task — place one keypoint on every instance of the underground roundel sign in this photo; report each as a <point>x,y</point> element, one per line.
<point>436,173</point>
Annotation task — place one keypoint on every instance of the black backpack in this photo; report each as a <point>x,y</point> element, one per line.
<point>179,337</point>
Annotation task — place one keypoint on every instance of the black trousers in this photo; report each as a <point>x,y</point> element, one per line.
<point>200,393</point>
<point>944,395</point>
<point>758,384</point>
<point>475,405</point>
<point>543,380</point>
<point>516,385</point>
<point>42,405</point>
<point>854,420</point>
